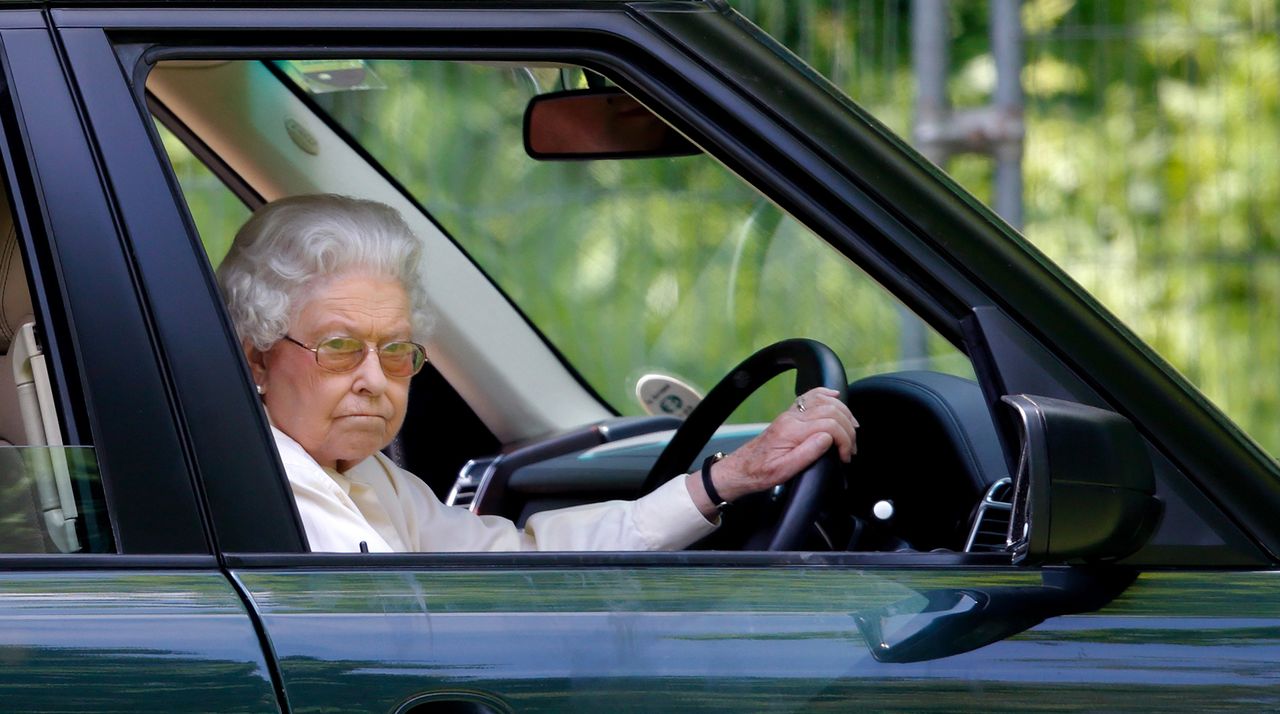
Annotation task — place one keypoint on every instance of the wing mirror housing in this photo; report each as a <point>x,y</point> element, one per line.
<point>1084,491</point>
<point>606,123</point>
<point>953,621</point>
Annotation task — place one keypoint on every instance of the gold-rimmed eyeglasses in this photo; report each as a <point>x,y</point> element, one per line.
<point>343,354</point>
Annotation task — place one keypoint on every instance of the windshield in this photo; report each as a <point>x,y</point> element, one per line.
<point>666,266</point>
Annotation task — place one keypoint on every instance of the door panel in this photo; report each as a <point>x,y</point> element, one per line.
<point>128,641</point>
<point>782,639</point>
<point>554,640</point>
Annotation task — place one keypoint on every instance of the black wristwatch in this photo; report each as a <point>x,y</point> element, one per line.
<point>709,487</point>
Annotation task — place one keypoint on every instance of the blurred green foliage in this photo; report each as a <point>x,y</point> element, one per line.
<point>1151,159</point>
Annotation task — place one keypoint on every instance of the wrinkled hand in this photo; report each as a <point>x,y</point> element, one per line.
<point>790,443</point>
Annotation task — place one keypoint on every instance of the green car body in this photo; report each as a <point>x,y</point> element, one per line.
<point>209,601</point>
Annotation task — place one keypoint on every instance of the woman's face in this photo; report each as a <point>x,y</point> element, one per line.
<point>340,418</point>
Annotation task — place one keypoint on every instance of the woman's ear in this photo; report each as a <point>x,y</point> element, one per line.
<point>257,360</point>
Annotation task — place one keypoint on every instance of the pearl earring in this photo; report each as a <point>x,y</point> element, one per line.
<point>261,389</point>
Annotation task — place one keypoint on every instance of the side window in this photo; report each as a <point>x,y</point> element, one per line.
<point>557,287</point>
<point>50,497</point>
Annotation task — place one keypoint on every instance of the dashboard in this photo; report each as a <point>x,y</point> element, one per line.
<point>929,463</point>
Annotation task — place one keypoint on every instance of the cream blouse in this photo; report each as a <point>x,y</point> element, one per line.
<point>377,503</point>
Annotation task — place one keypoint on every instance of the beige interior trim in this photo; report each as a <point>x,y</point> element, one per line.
<point>48,467</point>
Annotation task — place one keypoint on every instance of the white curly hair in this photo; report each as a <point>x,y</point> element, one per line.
<point>292,244</point>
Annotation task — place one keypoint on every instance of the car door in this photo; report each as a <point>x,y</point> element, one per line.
<point>1186,621</point>
<point>111,598</point>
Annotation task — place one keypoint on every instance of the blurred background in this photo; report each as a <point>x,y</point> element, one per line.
<point>1136,143</point>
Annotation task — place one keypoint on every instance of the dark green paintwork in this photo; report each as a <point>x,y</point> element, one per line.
<point>128,641</point>
<point>778,639</point>
<point>620,639</point>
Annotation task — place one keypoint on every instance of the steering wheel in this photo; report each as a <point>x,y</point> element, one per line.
<point>816,366</point>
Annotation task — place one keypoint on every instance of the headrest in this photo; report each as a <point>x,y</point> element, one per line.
<point>15,298</point>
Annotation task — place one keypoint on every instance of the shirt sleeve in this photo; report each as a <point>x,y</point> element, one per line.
<point>666,519</point>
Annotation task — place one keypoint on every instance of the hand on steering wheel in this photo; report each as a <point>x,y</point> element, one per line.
<point>795,439</point>
<point>791,441</point>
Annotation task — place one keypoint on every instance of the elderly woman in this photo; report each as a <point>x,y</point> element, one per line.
<point>324,292</point>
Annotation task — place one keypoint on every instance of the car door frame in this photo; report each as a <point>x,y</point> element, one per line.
<point>197,334</point>
<point>911,255</point>
<point>85,287</point>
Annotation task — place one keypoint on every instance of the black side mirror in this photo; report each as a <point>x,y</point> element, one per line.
<point>962,620</point>
<point>1084,489</point>
<point>597,124</point>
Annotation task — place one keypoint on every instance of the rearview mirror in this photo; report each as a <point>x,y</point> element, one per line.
<point>597,124</point>
<point>1084,489</point>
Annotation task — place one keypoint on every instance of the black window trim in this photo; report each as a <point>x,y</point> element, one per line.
<point>104,561</point>
<point>70,231</point>
<point>614,559</point>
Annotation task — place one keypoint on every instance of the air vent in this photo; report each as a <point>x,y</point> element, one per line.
<point>470,477</point>
<point>990,532</point>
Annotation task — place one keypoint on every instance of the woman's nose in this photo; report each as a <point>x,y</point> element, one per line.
<point>369,377</point>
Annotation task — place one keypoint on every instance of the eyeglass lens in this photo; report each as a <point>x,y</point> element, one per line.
<point>399,359</point>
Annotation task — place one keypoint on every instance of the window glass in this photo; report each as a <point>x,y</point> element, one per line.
<point>629,267</point>
<point>49,501</point>
<point>50,497</point>
<point>217,212</point>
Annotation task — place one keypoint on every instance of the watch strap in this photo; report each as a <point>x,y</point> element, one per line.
<point>710,487</point>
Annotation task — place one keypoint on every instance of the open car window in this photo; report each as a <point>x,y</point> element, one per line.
<point>597,289</point>
<point>559,286</point>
